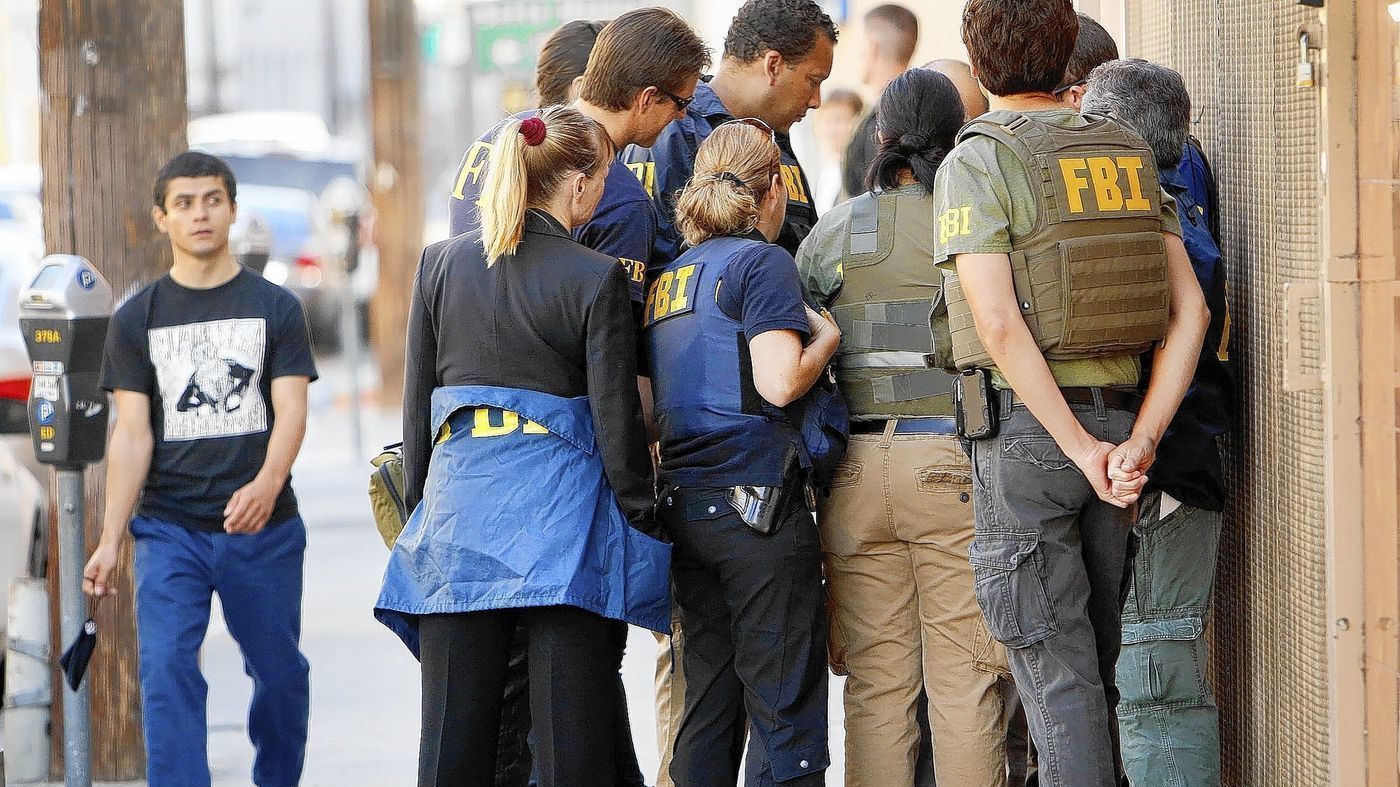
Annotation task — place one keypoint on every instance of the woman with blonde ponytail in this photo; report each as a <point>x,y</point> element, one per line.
<point>731,347</point>
<point>526,469</point>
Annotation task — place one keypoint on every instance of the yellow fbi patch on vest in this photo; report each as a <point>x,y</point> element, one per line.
<point>1103,186</point>
<point>671,294</point>
<point>493,422</point>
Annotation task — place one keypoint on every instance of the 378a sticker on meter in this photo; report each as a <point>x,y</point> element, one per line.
<point>45,387</point>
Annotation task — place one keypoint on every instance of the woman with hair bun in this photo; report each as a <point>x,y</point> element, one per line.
<point>897,525</point>
<point>523,439</point>
<point>730,345</point>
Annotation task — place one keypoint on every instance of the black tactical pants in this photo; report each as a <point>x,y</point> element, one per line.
<point>755,658</point>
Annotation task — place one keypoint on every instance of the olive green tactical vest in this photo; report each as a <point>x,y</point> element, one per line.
<point>1091,277</point>
<point>889,365</point>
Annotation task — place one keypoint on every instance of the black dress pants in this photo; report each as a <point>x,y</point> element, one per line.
<point>515,764</point>
<point>572,672</point>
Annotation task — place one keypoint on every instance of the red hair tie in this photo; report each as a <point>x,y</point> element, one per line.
<point>532,129</point>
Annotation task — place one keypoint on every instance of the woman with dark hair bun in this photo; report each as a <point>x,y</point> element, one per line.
<point>896,527</point>
<point>916,131</point>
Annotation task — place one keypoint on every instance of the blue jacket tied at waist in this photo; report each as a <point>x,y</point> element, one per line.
<point>518,513</point>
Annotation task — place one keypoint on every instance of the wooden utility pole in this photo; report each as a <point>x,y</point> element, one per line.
<point>112,77</point>
<point>396,180</point>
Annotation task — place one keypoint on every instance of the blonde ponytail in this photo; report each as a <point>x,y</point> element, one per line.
<point>522,173</point>
<point>504,194</point>
<point>734,169</point>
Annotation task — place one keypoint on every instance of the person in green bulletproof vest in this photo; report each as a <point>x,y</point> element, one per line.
<point>1068,263</point>
<point>897,524</point>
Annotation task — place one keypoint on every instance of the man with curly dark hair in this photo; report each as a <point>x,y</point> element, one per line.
<point>777,53</point>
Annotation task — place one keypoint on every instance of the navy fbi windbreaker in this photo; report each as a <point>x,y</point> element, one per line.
<point>518,513</point>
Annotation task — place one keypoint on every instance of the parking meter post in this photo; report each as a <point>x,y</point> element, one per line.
<point>63,315</point>
<point>342,202</point>
<point>350,331</point>
<point>72,554</point>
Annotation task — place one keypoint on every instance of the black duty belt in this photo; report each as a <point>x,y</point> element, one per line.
<point>1114,398</point>
<point>930,424</point>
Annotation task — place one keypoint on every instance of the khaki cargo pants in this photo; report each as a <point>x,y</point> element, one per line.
<point>895,532</point>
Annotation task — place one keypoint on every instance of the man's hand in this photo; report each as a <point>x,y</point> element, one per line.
<point>247,511</point>
<point>1127,467</point>
<point>1092,460</point>
<point>100,574</point>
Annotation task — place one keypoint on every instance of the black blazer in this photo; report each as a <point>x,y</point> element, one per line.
<point>556,317</point>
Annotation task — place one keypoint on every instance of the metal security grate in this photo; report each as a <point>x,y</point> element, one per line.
<point>1239,59</point>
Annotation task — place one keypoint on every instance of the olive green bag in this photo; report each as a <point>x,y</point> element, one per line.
<point>386,493</point>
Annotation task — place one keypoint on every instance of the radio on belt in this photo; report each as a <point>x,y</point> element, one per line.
<point>64,314</point>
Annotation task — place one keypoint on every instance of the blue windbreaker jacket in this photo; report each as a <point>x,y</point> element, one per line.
<point>518,513</point>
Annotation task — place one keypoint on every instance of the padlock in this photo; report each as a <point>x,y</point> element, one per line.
<point>1306,77</point>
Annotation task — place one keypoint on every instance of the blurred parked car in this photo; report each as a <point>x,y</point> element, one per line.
<point>23,499</point>
<point>283,161</point>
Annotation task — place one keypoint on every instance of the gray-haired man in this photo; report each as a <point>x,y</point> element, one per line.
<point>1167,716</point>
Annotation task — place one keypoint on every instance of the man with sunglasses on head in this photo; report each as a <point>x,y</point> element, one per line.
<point>777,53</point>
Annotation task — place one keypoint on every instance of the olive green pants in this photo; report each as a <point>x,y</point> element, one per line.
<point>895,532</point>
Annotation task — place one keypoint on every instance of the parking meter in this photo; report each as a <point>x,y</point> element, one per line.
<point>254,246</point>
<point>64,314</point>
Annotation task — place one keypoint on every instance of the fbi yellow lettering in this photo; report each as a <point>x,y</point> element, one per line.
<point>1130,166</point>
<point>1114,181</point>
<point>472,165</point>
<point>510,421</point>
<point>662,292</point>
<point>1105,177</point>
<point>636,269</point>
<point>646,173</point>
<point>792,179</point>
<point>681,300</point>
<point>1075,184</point>
<point>953,223</point>
<point>672,293</point>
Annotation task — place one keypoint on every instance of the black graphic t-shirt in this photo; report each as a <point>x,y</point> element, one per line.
<point>207,359</point>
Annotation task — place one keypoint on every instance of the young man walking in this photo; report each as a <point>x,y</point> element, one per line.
<point>208,367</point>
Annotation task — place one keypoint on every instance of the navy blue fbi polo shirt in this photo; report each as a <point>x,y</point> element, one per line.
<point>665,167</point>
<point>623,225</point>
<point>702,310</point>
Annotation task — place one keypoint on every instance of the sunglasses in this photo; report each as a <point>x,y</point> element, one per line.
<point>1059,91</point>
<point>681,103</point>
<point>756,123</point>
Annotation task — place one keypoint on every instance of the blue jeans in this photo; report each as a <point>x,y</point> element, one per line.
<point>1167,716</point>
<point>259,581</point>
